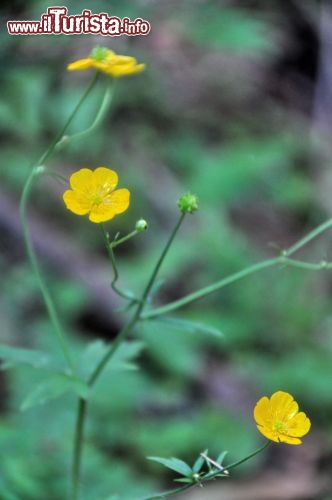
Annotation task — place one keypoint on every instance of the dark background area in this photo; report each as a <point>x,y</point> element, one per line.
<point>235,106</point>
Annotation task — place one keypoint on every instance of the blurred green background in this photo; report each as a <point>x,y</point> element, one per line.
<point>234,106</point>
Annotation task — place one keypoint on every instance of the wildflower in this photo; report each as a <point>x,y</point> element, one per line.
<point>188,203</point>
<point>108,62</point>
<point>93,192</point>
<point>279,419</point>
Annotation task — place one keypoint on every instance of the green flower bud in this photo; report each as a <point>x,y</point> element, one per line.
<point>188,203</point>
<point>141,225</point>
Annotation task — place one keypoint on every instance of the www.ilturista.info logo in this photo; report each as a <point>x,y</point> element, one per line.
<point>57,22</point>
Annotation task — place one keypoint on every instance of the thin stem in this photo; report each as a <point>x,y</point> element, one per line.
<point>60,135</point>
<point>235,464</point>
<point>115,243</point>
<point>310,236</point>
<point>309,266</point>
<point>36,170</point>
<point>82,409</point>
<point>136,316</point>
<point>171,493</point>
<point>281,260</point>
<point>36,269</point>
<point>161,259</point>
<point>109,248</point>
<point>78,443</point>
<point>107,99</point>
<point>210,288</point>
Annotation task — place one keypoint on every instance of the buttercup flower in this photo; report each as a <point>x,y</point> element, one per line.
<point>93,192</point>
<point>279,419</point>
<point>108,62</point>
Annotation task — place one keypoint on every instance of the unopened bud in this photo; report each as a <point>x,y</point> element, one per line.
<point>141,225</point>
<point>188,203</point>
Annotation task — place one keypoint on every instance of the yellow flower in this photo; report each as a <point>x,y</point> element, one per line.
<point>279,419</point>
<point>93,192</point>
<point>108,62</point>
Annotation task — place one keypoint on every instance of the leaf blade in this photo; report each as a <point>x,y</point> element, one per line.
<point>174,464</point>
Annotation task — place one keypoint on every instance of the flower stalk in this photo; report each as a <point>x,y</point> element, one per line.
<point>126,330</point>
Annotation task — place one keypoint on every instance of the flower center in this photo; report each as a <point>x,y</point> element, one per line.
<point>99,53</point>
<point>279,426</point>
<point>97,199</point>
<point>99,196</point>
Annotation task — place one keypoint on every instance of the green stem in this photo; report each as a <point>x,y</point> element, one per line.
<point>78,443</point>
<point>36,269</point>
<point>235,464</point>
<point>309,266</point>
<point>161,259</point>
<point>171,493</point>
<point>109,247</point>
<point>61,134</point>
<point>310,236</point>
<point>115,243</point>
<point>107,99</point>
<point>82,409</point>
<point>209,289</point>
<point>281,260</point>
<point>136,316</point>
<point>36,170</point>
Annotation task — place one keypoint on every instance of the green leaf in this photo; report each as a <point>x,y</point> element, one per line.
<point>122,359</point>
<point>190,326</point>
<point>199,462</point>
<point>184,480</point>
<point>36,359</point>
<point>174,464</point>
<point>54,387</point>
<point>221,457</point>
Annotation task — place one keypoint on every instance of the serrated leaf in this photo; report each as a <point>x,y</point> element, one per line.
<point>174,464</point>
<point>36,359</point>
<point>190,326</point>
<point>54,387</point>
<point>122,359</point>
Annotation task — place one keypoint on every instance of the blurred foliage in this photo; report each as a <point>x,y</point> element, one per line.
<point>202,118</point>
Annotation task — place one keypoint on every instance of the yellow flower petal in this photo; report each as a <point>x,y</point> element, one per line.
<point>81,180</point>
<point>299,425</point>
<point>283,438</point>
<point>101,213</point>
<point>120,200</point>
<point>123,70</point>
<point>105,178</point>
<point>283,402</point>
<point>81,64</point>
<point>76,202</point>
<point>268,433</point>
